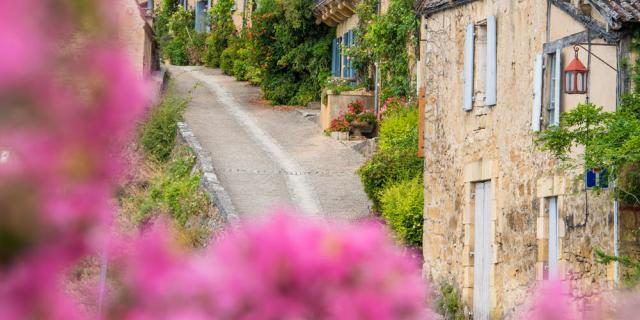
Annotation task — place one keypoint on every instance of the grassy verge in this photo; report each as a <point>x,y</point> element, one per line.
<point>164,182</point>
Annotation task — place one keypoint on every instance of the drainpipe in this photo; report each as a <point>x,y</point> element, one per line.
<point>616,231</point>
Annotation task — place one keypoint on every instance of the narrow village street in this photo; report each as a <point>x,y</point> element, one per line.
<point>265,156</point>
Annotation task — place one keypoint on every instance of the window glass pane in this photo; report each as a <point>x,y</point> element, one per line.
<point>569,82</point>
<point>580,82</point>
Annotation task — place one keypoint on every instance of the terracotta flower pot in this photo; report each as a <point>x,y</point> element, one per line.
<point>360,127</point>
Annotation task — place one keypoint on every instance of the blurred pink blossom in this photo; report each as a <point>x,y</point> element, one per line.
<point>283,268</point>
<point>552,301</point>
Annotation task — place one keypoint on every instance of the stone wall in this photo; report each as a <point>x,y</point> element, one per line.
<point>333,105</point>
<point>496,144</point>
<point>132,34</point>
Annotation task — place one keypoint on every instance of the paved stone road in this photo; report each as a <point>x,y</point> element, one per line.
<point>265,157</point>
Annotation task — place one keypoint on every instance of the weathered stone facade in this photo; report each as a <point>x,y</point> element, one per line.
<point>493,145</point>
<point>135,33</point>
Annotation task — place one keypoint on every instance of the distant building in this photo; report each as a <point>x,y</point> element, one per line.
<point>499,214</point>
<point>135,22</point>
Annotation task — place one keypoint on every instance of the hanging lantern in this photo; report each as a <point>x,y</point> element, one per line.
<point>575,76</point>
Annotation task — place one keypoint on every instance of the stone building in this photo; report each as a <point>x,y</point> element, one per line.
<point>341,14</point>
<point>240,12</point>
<point>134,20</point>
<point>501,215</point>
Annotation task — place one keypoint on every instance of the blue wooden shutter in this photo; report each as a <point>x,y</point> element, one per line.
<point>553,239</point>
<point>353,42</point>
<point>468,68</point>
<point>339,60</point>
<point>537,94</point>
<point>351,71</point>
<point>491,94</point>
<point>345,60</point>
<point>335,58</point>
<point>557,91</point>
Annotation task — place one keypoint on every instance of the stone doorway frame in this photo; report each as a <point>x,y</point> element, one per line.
<point>483,170</point>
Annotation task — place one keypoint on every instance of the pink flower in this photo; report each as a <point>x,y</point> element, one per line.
<point>551,302</point>
<point>290,267</point>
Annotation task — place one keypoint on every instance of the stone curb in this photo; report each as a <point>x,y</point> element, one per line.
<point>216,192</point>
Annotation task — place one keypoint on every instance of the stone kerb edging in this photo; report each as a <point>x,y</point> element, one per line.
<point>216,192</point>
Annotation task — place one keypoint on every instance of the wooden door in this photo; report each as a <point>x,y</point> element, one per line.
<point>482,259</point>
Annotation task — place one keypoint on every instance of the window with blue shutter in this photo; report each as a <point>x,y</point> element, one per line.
<point>491,92</point>
<point>557,74</point>
<point>468,67</point>
<point>537,93</point>
<point>339,57</point>
<point>201,16</point>
<point>353,42</point>
<point>351,73</point>
<point>335,58</point>
<point>345,58</point>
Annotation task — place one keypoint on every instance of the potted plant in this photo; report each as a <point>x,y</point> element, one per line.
<point>359,120</point>
<point>340,128</point>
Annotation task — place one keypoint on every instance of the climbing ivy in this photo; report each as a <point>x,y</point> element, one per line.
<point>293,52</point>
<point>385,39</point>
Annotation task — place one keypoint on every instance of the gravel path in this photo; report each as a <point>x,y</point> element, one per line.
<point>266,157</point>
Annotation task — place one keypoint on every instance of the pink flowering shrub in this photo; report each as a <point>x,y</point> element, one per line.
<point>69,102</point>
<point>391,104</point>
<point>282,268</point>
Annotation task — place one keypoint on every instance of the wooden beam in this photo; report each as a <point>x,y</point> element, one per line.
<point>345,4</point>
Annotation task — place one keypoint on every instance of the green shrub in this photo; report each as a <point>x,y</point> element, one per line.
<point>222,32</point>
<point>158,134</point>
<point>402,205</point>
<point>172,189</point>
<point>161,24</point>
<point>196,48</point>
<point>177,189</point>
<point>279,88</point>
<point>176,52</point>
<point>388,167</point>
<point>254,75</point>
<point>449,304</point>
<point>241,64</point>
<point>181,45</point>
<point>399,130</point>
<point>226,60</point>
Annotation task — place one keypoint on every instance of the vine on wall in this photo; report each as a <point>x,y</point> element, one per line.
<point>385,39</point>
<point>294,53</point>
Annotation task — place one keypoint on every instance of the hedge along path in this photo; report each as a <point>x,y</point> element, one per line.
<point>299,188</point>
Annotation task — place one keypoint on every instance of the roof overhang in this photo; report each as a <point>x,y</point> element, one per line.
<point>334,12</point>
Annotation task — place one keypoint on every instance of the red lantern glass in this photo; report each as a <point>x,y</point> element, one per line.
<point>575,76</point>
